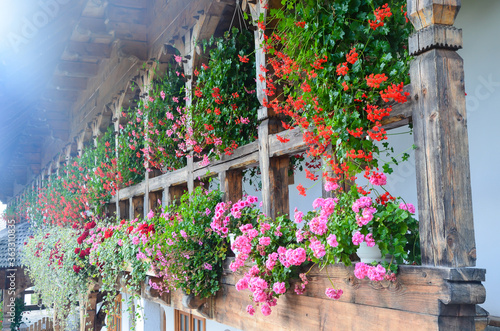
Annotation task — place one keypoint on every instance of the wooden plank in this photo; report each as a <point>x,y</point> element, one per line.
<point>171,178</point>
<point>305,313</point>
<point>68,83</point>
<point>126,14</point>
<point>124,209</point>
<point>138,189</point>
<point>420,292</point>
<point>154,197</point>
<point>175,192</point>
<point>265,166</point>
<point>89,49</point>
<point>62,95</point>
<point>138,207</point>
<point>129,31</point>
<point>294,146</point>
<point>241,162</point>
<point>92,24</point>
<point>129,3</point>
<point>278,178</point>
<point>233,185</point>
<point>77,69</point>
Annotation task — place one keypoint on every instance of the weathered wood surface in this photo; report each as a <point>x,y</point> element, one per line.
<point>305,313</point>
<point>232,185</point>
<point>442,154</point>
<point>423,296</point>
<point>424,13</point>
<point>137,207</point>
<point>417,289</point>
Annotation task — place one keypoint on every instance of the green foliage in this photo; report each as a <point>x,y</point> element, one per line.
<point>331,30</point>
<point>18,314</point>
<point>49,258</point>
<point>225,94</point>
<point>193,253</point>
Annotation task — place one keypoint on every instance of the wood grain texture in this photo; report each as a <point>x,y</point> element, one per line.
<point>264,165</point>
<point>233,185</point>
<point>423,13</point>
<point>442,160</point>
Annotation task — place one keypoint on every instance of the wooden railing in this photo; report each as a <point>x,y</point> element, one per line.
<point>169,184</point>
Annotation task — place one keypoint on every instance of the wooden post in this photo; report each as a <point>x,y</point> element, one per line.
<point>91,311</point>
<point>80,139</point>
<point>144,81</point>
<point>440,132</point>
<point>274,170</point>
<point>116,109</point>
<point>165,199</point>
<point>131,213</point>
<point>67,154</point>
<point>95,125</point>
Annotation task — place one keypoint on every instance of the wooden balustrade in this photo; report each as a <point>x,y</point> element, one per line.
<point>44,324</point>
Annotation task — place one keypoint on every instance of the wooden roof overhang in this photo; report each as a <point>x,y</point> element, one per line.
<point>53,86</point>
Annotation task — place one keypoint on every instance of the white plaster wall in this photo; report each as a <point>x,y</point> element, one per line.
<point>152,315</point>
<point>214,326</point>
<point>481,27</point>
<point>169,317</point>
<point>126,320</point>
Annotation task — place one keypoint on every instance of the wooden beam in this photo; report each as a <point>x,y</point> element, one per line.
<point>128,31</point>
<point>68,83</point>
<point>92,24</point>
<point>77,69</point>
<point>140,4</point>
<point>423,296</point>
<point>138,49</point>
<point>86,49</point>
<point>55,105</point>
<point>61,95</point>
<point>126,15</point>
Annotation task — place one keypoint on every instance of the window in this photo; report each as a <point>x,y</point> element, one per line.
<point>188,322</point>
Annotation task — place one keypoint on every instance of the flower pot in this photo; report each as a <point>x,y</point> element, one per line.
<point>369,254</point>
<point>232,237</point>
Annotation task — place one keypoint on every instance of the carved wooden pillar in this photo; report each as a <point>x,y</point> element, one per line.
<point>116,109</point>
<point>274,170</point>
<point>80,140</point>
<point>440,131</point>
<point>144,81</point>
<point>67,154</point>
<point>442,158</point>
<point>95,125</point>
